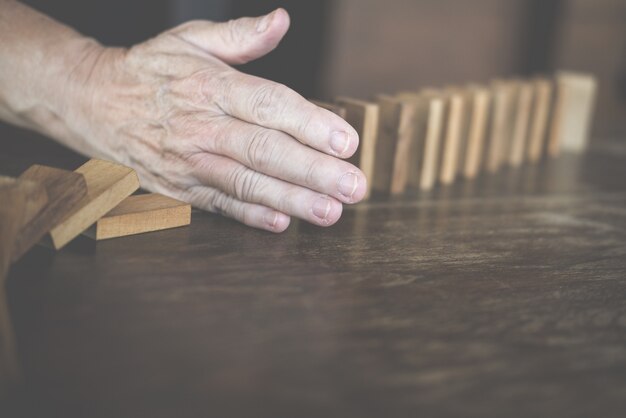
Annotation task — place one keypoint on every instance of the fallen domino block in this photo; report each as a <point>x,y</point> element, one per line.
<point>21,201</point>
<point>64,188</point>
<point>107,185</point>
<point>139,214</point>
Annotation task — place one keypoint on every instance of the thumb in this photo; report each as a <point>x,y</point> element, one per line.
<point>238,41</point>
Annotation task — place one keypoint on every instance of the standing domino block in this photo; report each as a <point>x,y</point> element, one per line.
<point>387,139</point>
<point>503,95</point>
<point>573,108</point>
<point>363,116</point>
<point>479,100</point>
<point>418,132</point>
<point>404,146</point>
<point>521,121</point>
<point>452,137</point>
<point>539,119</point>
<point>107,185</point>
<point>64,188</point>
<point>432,140</point>
<point>139,214</point>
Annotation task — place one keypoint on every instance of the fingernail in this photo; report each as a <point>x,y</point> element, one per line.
<point>321,207</point>
<point>264,23</point>
<point>271,219</point>
<point>339,142</point>
<point>347,184</point>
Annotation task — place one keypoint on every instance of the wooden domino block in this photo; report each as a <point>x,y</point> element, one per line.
<point>335,108</point>
<point>479,100</point>
<point>432,139</point>
<point>418,131</point>
<point>542,99</point>
<point>501,127</point>
<point>64,188</point>
<point>521,123</point>
<point>386,142</point>
<point>107,185</point>
<point>573,109</point>
<point>139,214</point>
<point>404,145</point>
<point>363,116</point>
<point>20,202</point>
<point>455,102</point>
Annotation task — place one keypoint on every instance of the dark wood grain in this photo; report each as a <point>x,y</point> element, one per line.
<point>503,296</point>
<point>65,189</point>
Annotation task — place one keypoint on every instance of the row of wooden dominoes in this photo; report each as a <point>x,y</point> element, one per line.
<point>58,205</point>
<point>416,139</point>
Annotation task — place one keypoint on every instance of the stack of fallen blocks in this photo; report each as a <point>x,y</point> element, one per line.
<point>54,205</point>
<point>436,136</point>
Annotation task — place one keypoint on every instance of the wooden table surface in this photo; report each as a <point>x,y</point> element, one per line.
<point>503,297</point>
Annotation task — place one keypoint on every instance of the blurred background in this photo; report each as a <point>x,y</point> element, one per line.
<point>360,48</point>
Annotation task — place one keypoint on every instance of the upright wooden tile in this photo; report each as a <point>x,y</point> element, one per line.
<point>573,110</point>
<point>386,143</point>
<point>363,116</point>
<point>452,136</point>
<point>418,131</point>
<point>478,110</point>
<point>501,127</point>
<point>139,214</point>
<point>64,188</point>
<point>542,100</point>
<point>432,140</point>
<point>404,146</point>
<point>107,185</point>
<point>521,123</point>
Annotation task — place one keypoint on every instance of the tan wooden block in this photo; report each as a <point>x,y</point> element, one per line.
<point>573,110</point>
<point>404,146</point>
<point>455,103</point>
<point>418,132</point>
<point>542,99</point>
<point>501,126</point>
<point>479,101</point>
<point>20,202</point>
<point>521,124</point>
<point>107,185</point>
<point>64,188</point>
<point>432,140</point>
<point>386,143</point>
<point>363,117</point>
<point>333,107</point>
<point>140,214</point>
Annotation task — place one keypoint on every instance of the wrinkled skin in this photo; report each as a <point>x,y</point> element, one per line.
<point>198,130</point>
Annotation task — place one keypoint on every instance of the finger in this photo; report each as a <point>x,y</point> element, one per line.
<point>256,216</point>
<point>251,186</point>
<point>237,41</point>
<point>275,106</point>
<point>278,155</point>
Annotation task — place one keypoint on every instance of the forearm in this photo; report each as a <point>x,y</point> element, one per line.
<point>42,68</point>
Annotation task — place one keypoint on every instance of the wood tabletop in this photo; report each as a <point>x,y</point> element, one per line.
<point>503,296</point>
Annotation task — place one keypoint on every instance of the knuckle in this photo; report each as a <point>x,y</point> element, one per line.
<point>267,102</point>
<point>311,172</point>
<point>260,150</point>
<point>244,183</point>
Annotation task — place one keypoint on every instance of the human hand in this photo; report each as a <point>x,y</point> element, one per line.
<point>198,130</point>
